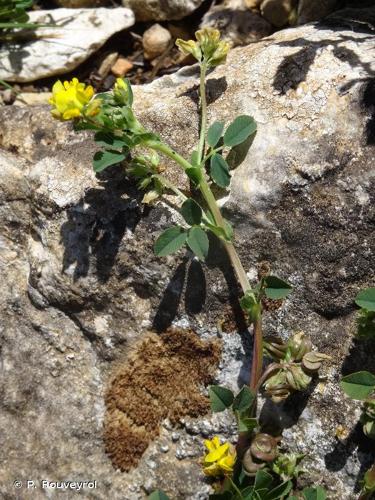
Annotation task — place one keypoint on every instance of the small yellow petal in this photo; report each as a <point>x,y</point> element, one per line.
<point>217,454</point>
<point>71,113</point>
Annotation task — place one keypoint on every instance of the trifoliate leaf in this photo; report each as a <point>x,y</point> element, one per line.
<point>315,493</point>
<point>366,299</point>
<point>104,159</point>
<point>244,399</point>
<point>198,242</point>
<point>171,240</point>
<point>276,288</point>
<point>221,398</point>
<point>214,133</point>
<point>239,130</point>
<point>358,385</point>
<point>219,171</point>
<point>191,212</point>
<point>106,139</point>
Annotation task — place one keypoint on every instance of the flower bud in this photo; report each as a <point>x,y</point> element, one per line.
<point>299,345</point>
<point>93,107</point>
<point>189,47</point>
<point>122,92</point>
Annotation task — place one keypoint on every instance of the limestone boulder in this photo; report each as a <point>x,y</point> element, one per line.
<point>81,289</point>
<point>56,50</point>
<point>161,10</point>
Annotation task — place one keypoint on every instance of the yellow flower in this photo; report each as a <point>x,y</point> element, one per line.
<point>189,47</point>
<point>208,45</point>
<point>69,99</point>
<point>220,459</point>
<point>122,92</point>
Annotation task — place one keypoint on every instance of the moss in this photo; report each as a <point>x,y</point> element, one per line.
<point>163,378</point>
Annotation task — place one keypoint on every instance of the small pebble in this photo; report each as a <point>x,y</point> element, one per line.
<point>155,41</point>
<point>121,67</point>
<point>164,448</point>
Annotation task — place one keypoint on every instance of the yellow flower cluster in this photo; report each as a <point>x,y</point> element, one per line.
<point>220,459</point>
<point>208,45</point>
<point>70,98</point>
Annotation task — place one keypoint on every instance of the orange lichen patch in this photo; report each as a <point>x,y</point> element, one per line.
<point>163,378</point>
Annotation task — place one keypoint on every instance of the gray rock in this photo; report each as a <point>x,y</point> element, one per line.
<point>81,287</point>
<point>314,10</point>
<point>161,10</point>
<point>54,51</point>
<point>236,22</point>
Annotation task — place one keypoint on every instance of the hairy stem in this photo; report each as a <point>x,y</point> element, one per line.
<point>169,185</point>
<point>257,364</point>
<point>163,148</point>
<point>202,91</point>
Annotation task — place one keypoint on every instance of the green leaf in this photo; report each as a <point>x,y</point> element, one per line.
<point>194,174</point>
<point>315,493</point>
<point>214,133</point>
<point>366,299</point>
<point>219,171</point>
<point>171,240</point>
<point>246,424</point>
<point>158,495</point>
<point>198,242</point>
<point>239,130</point>
<point>104,159</point>
<point>244,399</point>
<point>107,139</point>
<point>366,324</point>
<point>262,480</point>
<point>280,491</point>
<point>191,212</point>
<point>358,385</point>
<point>276,288</point>
<point>247,493</point>
<point>221,398</point>
<point>238,153</point>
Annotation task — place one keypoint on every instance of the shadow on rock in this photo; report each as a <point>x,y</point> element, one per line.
<point>274,418</point>
<point>293,70</point>
<point>97,223</point>
<point>337,459</point>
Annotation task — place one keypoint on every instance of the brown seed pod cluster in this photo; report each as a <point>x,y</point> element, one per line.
<point>263,449</point>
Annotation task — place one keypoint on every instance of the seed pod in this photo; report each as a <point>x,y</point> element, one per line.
<point>275,349</point>
<point>277,387</point>
<point>297,379</point>
<point>299,345</point>
<point>264,447</point>
<point>312,361</point>
<point>250,466</point>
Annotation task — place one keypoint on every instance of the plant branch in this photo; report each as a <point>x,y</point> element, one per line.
<point>202,90</point>
<point>257,364</point>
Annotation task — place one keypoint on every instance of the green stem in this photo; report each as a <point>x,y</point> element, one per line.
<point>234,486</point>
<point>163,148</point>
<point>257,364</point>
<point>171,186</point>
<point>202,90</point>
